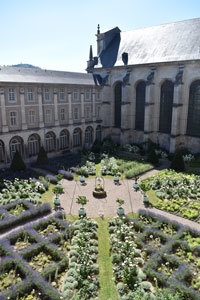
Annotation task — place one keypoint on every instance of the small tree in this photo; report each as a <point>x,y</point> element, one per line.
<point>120,202</point>
<point>58,190</point>
<point>17,162</point>
<point>177,163</point>
<point>152,157</point>
<point>82,200</point>
<point>42,157</point>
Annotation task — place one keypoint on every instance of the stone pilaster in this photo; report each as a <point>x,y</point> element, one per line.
<point>149,111</point>
<point>82,108</point>
<point>176,112</point>
<point>3,111</point>
<point>40,106</point>
<point>55,99</point>
<point>93,107</point>
<point>70,108</point>
<point>23,114</point>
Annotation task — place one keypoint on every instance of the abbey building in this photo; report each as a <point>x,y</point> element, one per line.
<point>143,84</point>
<point>151,84</point>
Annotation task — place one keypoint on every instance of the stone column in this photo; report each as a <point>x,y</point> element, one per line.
<point>22,104</point>
<point>3,111</point>
<point>176,111</point>
<point>40,106</point>
<point>55,99</point>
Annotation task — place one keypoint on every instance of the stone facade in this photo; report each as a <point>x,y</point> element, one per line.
<point>60,117</point>
<point>180,72</point>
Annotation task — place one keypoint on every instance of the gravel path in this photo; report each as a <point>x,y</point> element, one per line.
<point>108,206</point>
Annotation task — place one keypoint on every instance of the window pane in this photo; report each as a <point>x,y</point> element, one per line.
<point>140,106</point>
<point>166,102</point>
<point>193,120</point>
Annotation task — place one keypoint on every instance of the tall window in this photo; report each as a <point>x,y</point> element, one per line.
<point>46,94</point>
<point>166,103</point>
<point>87,112</point>
<point>62,94</point>
<point>2,152</point>
<point>98,111</point>
<point>75,113</point>
<point>88,136</point>
<point>193,119</point>
<point>62,114</point>
<point>16,144</point>
<point>77,137</point>
<point>13,118</point>
<point>98,133</point>
<point>118,99</point>
<point>75,94</point>
<point>48,115</point>
<point>140,106</point>
<point>11,93</point>
<point>98,95</point>
<point>87,94</point>
<point>64,140</point>
<point>33,145</point>
<point>31,116</point>
<point>50,141</point>
<point>30,94</point>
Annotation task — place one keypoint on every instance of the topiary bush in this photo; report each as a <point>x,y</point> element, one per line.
<point>42,157</point>
<point>66,174</point>
<point>152,157</point>
<point>17,162</point>
<point>51,179</point>
<point>177,163</point>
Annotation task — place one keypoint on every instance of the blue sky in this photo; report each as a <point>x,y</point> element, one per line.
<point>56,34</point>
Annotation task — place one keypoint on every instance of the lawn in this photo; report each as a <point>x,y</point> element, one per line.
<point>48,195</point>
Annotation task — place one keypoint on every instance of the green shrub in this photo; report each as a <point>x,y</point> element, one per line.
<point>42,157</point>
<point>152,157</point>
<point>177,163</point>
<point>17,162</point>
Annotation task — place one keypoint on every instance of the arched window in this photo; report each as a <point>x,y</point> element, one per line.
<point>88,136</point>
<point>50,142</point>
<point>193,120</point>
<point>98,133</point>
<point>140,106</point>
<point>77,137</point>
<point>2,151</point>
<point>166,103</point>
<point>118,100</point>
<point>64,139</point>
<point>33,144</point>
<point>16,143</point>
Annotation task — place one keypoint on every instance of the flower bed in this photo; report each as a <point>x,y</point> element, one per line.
<point>33,268</point>
<point>176,193</point>
<point>145,256</point>
<point>82,277</point>
<point>31,213</point>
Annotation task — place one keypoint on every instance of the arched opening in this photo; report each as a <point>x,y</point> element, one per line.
<point>89,136</point>
<point>118,100</point>
<point>98,133</point>
<point>64,139</point>
<point>77,137</point>
<point>193,119</point>
<point>16,143</point>
<point>166,103</point>
<point>140,105</point>
<point>33,144</point>
<point>2,152</point>
<point>50,141</point>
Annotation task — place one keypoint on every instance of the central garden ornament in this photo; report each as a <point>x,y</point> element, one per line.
<point>99,191</point>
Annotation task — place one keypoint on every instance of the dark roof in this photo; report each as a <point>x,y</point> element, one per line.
<point>30,75</point>
<point>179,41</point>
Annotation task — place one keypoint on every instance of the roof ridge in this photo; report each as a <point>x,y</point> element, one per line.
<point>170,23</point>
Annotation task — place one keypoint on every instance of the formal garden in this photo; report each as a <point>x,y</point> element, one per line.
<point>48,254</point>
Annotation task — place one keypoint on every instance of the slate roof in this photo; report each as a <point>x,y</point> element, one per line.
<point>30,75</point>
<point>179,41</point>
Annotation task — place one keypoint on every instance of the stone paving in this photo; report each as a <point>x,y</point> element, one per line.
<point>108,206</point>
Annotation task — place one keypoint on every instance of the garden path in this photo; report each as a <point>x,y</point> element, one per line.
<point>108,206</point>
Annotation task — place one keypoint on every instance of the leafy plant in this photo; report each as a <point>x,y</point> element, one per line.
<point>82,200</point>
